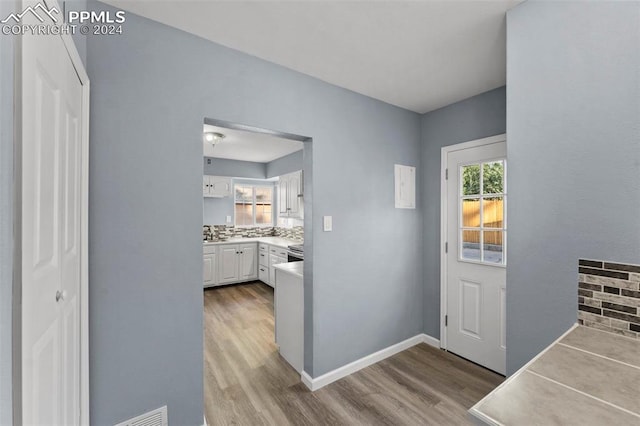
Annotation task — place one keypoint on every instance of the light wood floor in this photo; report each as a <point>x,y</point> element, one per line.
<point>247,382</point>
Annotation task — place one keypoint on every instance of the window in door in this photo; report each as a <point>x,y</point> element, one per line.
<point>482,216</point>
<point>253,205</point>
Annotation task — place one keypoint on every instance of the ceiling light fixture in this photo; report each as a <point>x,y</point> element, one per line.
<point>213,137</point>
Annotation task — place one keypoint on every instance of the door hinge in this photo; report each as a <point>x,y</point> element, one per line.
<point>446,320</point>
<point>446,247</point>
<point>446,174</point>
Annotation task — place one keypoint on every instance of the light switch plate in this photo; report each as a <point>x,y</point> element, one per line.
<point>327,223</point>
<point>228,219</point>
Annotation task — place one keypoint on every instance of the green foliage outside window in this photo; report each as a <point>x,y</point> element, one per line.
<point>492,176</point>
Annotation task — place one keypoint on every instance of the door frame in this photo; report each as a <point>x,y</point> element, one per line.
<point>444,220</point>
<point>78,65</point>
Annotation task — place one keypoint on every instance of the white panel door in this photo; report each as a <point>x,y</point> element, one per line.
<point>52,111</point>
<point>228,264</point>
<point>248,262</point>
<point>476,257</point>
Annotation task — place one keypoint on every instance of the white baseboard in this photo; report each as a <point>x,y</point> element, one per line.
<point>319,382</point>
<point>431,341</point>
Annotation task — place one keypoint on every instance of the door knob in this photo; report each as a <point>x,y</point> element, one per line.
<point>59,295</point>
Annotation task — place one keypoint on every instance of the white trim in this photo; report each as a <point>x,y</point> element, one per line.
<point>319,382</point>
<point>430,340</point>
<point>446,150</point>
<point>204,419</point>
<point>474,411</point>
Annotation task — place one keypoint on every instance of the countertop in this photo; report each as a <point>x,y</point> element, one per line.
<point>274,241</point>
<point>586,377</point>
<point>293,268</point>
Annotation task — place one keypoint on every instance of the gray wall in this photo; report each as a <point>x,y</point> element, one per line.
<point>574,157</point>
<point>216,210</point>
<point>6,217</point>
<point>474,118</point>
<point>234,168</point>
<point>283,165</point>
<point>145,250</point>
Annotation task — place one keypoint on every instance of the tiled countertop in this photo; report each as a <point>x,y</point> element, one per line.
<point>587,377</point>
<point>293,268</point>
<point>274,241</point>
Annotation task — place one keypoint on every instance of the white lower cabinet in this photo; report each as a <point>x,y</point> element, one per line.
<point>263,263</point>
<point>209,266</point>
<point>289,318</point>
<point>248,261</point>
<point>276,255</point>
<point>228,265</point>
<point>237,263</point>
<point>263,274</point>
<point>268,256</point>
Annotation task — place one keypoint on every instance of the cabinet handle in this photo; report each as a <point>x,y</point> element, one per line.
<point>262,269</point>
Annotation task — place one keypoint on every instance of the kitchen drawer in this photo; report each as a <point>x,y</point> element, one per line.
<point>278,251</point>
<point>263,274</point>
<point>208,249</point>
<point>263,258</point>
<point>263,247</point>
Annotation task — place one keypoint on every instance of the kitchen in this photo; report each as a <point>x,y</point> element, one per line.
<point>253,229</point>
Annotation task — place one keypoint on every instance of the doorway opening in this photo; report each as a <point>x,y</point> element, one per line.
<point>257,275</point>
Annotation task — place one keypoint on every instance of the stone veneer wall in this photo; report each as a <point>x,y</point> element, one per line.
<point>609,296</point>
<point>223,232</point>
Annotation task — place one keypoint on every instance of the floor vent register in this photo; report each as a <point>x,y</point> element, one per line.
<point>156,417</point>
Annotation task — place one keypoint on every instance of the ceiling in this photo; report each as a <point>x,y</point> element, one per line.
<point>420,55</point>
<point>248,146</point>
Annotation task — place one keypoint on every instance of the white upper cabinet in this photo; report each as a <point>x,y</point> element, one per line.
<point>283,191</point>
<point>290,195</point>
<point>216,186</point>
<point>295,194</point>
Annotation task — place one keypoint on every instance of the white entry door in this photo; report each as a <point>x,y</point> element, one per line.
<point>475,252</point>
<point>53,229</point>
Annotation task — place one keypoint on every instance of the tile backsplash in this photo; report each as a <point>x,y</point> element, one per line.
<point>609,296</point>
<point>295,233</point>
<point>223,232</point>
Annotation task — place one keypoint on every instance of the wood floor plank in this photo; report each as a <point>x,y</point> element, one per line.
<point>247,382</point>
